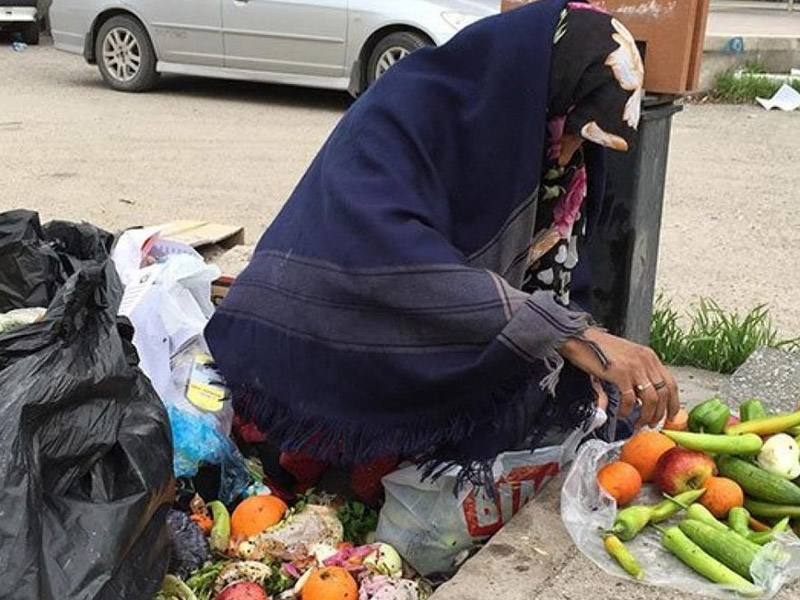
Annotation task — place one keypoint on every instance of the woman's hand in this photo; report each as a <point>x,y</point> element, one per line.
<point>634,369</point>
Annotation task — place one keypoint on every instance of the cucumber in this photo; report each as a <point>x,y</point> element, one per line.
<point>768,510</point>
<point>758,483</point>
<point>729,548</point>
<point>693,556</point>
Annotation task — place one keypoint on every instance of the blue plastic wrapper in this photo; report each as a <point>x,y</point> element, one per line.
<point>197,441</point>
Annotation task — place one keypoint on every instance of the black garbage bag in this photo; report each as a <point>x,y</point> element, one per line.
<point>86,477</point>
<point>36,260</point>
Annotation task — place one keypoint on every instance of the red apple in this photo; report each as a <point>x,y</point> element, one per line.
<point>732,421</point>
<point>679,470</point>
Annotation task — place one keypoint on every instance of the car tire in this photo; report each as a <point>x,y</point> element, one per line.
<point>391,49</point>
<point>125,55</point>
<point>30,33</point>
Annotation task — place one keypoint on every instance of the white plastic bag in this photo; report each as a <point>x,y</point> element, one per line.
<point>586,510</point>
<point>434,529</point>
<point>169,303</point>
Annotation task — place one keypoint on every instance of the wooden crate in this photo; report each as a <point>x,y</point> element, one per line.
<point>671,34</point>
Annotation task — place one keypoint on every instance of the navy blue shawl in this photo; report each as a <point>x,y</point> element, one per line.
<point>381,314</point>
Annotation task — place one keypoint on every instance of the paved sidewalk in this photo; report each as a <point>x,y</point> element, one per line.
<point>754,22</point>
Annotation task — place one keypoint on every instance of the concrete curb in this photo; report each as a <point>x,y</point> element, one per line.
<point>778,53</point>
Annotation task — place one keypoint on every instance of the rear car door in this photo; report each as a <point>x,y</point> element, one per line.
<point>185,31</point>
<point>302,37</point>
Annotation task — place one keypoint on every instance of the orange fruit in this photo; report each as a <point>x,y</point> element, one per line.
<point>643,450</point>
<point>679,423</point>
<point>621,480</point>
<point>721,496</point>
<point>255,515</point>
<point>330,583</point>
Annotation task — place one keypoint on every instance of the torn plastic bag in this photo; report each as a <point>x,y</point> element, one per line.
<point>586,510</point>
<point>85,451</point>
<point>35,261</point>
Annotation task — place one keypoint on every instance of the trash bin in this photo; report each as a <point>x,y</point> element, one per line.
<point>622,251</point>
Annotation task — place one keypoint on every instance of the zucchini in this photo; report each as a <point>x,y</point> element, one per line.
<point>728,547</point>
<point>758,483</point>
<point>768,510</point>
<point>711,443</point>
<point>693,556</point>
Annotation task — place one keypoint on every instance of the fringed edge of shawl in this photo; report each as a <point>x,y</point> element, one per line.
<point>426,439</point>
<point>572,325</point>
<point>338,441</point>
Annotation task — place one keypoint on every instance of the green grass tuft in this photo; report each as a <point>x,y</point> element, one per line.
<point>746,87</point>
<point>716,340</point>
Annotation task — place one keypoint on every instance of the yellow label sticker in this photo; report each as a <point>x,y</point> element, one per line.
<point>206,389</point>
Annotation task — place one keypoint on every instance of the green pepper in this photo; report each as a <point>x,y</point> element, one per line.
<point>762,538</point>
<point>623,556</point>
<point>630,521</point>
<point>221,531</point>
<point>739,521</point>
<point>751,409</point>
<point>671,506</point>
<point>709,417</point>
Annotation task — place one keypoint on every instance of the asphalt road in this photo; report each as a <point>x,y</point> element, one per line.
<point>232,152</point>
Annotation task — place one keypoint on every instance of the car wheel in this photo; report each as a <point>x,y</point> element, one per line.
<point>390,50</point>
<point>30,33</point>
<point>125,55</point>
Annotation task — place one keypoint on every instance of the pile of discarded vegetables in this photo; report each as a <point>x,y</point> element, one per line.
<point>731,487</point>
<point>262,550</point>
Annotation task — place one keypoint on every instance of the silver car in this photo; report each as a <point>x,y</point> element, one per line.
<point>337,44</point>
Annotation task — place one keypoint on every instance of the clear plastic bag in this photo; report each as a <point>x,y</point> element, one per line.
<point>586,509</point>
<point>434,529</point>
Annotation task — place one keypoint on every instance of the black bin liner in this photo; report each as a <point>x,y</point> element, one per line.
<point>85,446</point>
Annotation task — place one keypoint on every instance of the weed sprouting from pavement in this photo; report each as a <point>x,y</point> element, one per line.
<point>716,340</point>
<point>745,86</point>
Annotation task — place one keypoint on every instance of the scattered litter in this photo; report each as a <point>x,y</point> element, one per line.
<point>199,234</point>
<point>786,98</point>
<point>126,201</point>
<point>19,46</point>
<point>735,45</point>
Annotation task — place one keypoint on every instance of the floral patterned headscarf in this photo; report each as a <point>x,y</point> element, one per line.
<point>596,91</point>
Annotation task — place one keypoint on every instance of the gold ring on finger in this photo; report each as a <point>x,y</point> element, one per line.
<point>644,387</point>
